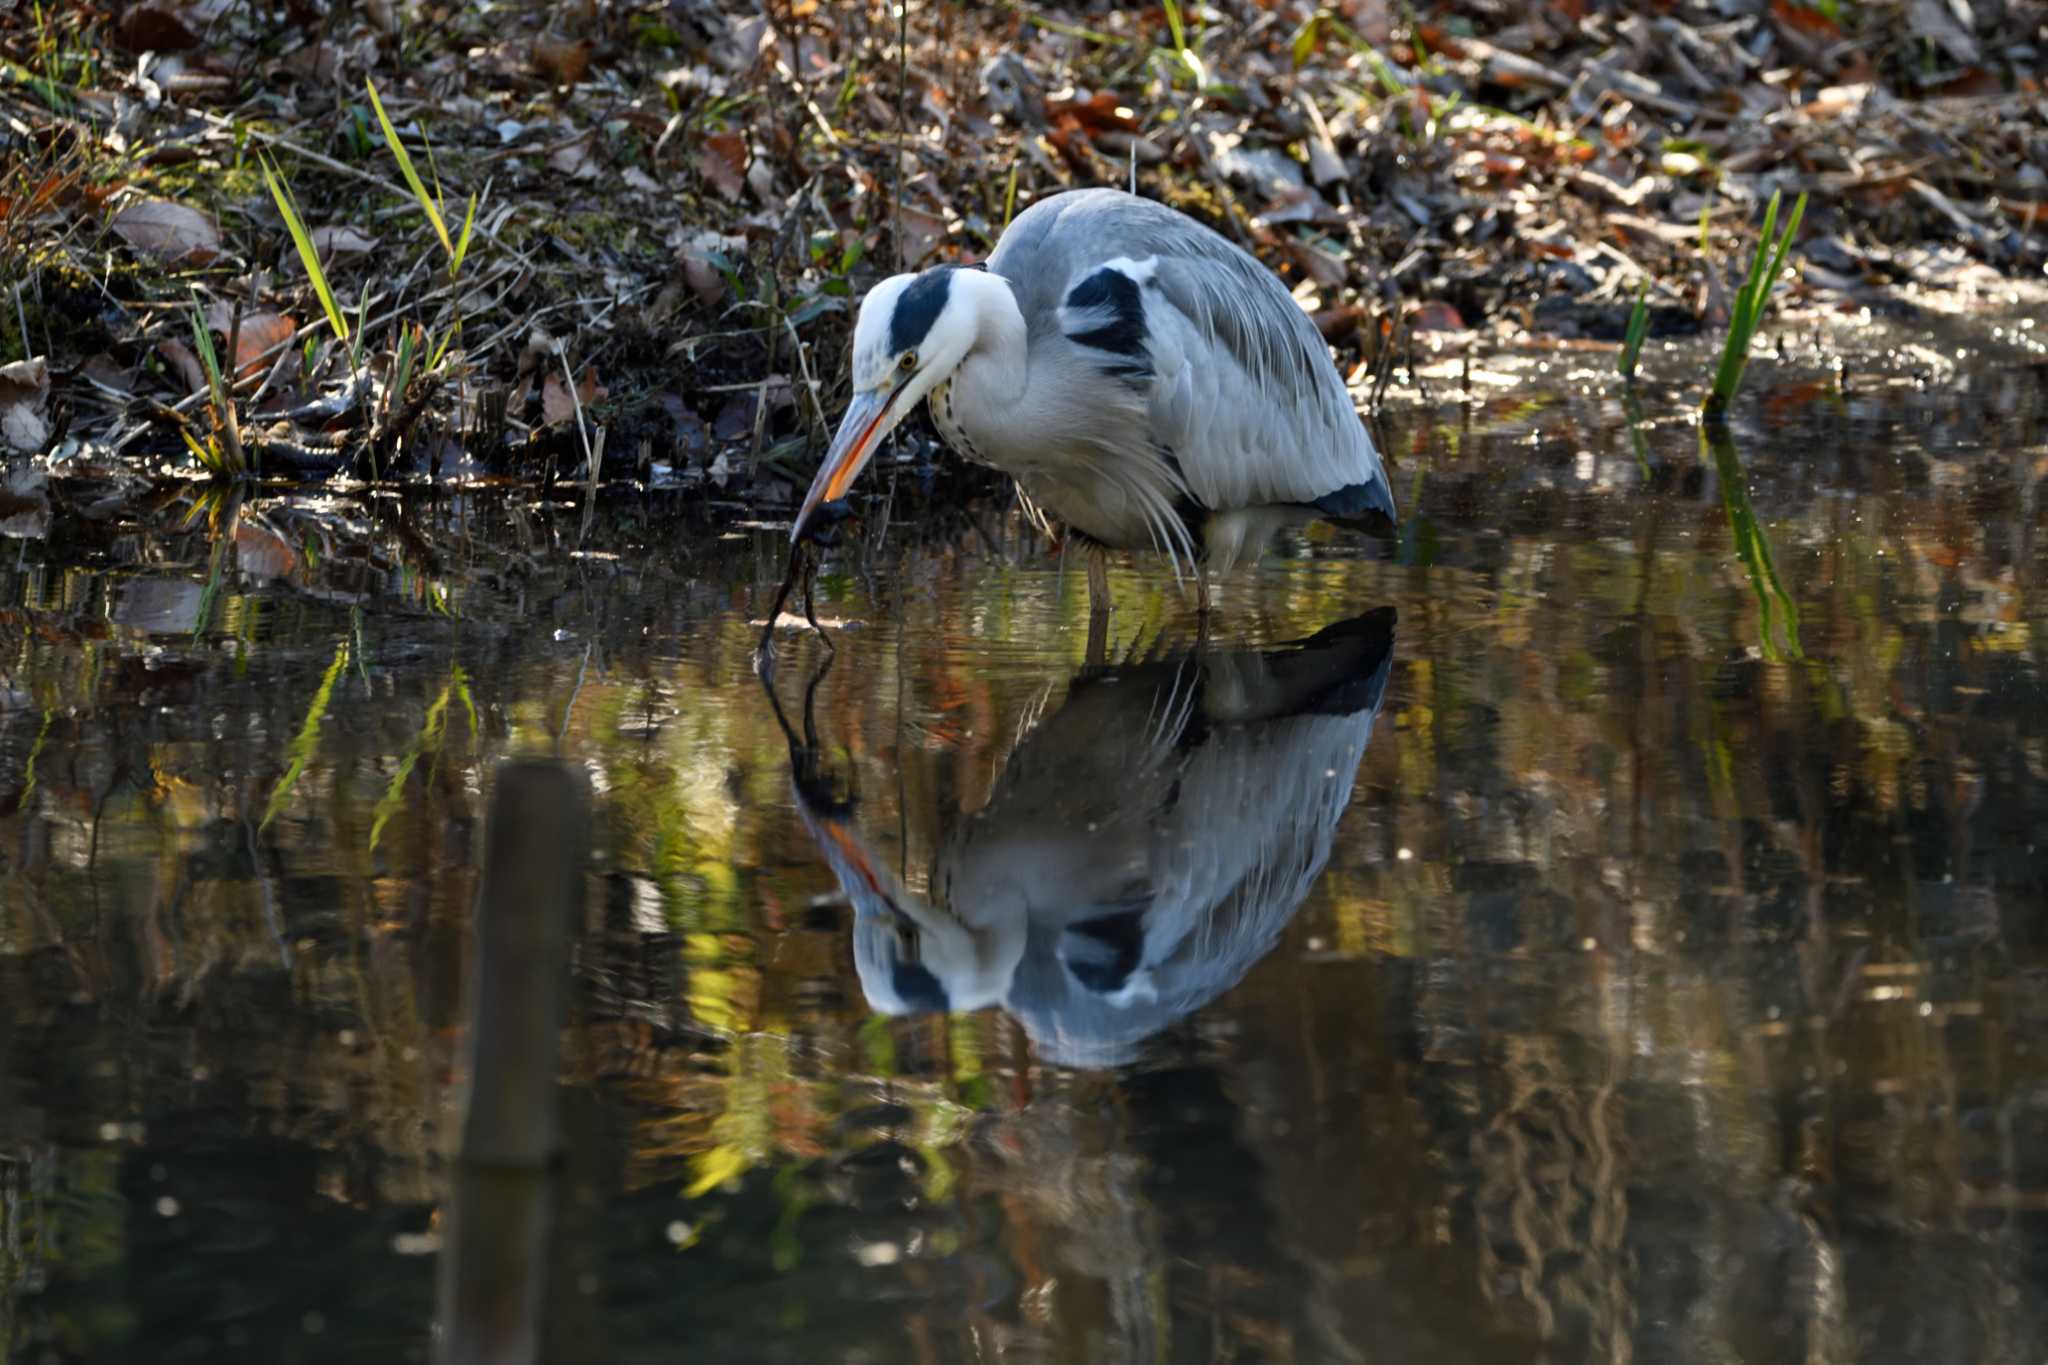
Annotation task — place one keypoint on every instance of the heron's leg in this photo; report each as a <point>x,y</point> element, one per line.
<point>1098,581</point>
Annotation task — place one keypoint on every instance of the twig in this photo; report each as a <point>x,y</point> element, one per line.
<point>804,366</point>
<point>589,455</point>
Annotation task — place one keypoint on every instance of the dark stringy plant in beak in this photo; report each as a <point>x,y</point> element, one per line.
<point>802,568</point>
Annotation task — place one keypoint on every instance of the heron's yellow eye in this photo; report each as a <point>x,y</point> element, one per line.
<point>910,360</point>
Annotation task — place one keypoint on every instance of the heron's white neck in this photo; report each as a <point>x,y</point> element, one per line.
<point>992,377</point>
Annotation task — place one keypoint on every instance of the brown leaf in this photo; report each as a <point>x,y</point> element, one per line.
<point>1099,113</point>
<point>1805,19</point>
<point>555,403</point>
<point>723,161</point>
<point>1325,268</point>
<point>173,233</point>
<point>335,242</point>
<point>260,332</point>
<point>922,233</point>
<point>1436,317</point>
<point>261,552</point>
<point>563,62</point>
<point>155,28</point>
<point>184,365</point>
<point>24,392</point>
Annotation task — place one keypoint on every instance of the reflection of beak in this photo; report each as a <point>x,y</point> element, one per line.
<point>872,416</point>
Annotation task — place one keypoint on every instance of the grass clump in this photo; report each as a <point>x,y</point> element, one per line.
<point>1749,305</point>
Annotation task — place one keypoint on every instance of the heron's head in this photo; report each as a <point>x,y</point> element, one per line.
<point>914,330</point>
<point>917,958</point>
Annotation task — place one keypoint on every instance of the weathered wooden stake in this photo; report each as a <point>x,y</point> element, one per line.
<point>501,1205</point>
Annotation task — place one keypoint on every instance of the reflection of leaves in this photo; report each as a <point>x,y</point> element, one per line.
<point>308,739</point>
<point>1753,549</point>
<point>714,1168</point>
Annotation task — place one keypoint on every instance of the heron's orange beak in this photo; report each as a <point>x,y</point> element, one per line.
<point>872,416</point>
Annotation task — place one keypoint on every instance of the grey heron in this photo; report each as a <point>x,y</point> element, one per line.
<point>1145,381</point>
<point>1142,848</point>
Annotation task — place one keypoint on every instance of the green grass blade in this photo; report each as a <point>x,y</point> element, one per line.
<point>462,242</point>
<point>307,741</point>
<point>405,167</point>
<point>1746,313</point>
<point>304,242</point>
<point>202,342</point>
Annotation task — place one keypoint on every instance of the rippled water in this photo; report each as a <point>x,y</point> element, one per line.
<point>1605,925</point>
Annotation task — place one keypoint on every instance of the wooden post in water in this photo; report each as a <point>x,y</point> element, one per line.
<point>500,1211</point>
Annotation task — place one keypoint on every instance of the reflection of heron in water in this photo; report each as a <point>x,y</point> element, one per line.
<point>1143,847</point>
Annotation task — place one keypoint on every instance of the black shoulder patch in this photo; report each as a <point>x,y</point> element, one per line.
<point>1368,505</point>
<point>918,307</point>
<point>917,988</point>
<point>1108,950</point>
<point>1111,291</point>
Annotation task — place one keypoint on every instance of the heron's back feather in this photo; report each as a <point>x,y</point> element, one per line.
<point>1243,395</point>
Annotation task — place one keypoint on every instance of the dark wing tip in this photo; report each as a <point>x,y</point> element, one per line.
<point>1367,506</point>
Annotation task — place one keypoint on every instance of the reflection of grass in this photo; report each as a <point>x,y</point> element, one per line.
<point>1634,410</point>
<point>1773,602</point>
<point>308,739</point>
<point>432,730</point>
<point>1638,328</point>
<point>28,788</point>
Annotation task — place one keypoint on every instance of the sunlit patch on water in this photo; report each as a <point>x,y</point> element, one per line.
<point>1642,958</point>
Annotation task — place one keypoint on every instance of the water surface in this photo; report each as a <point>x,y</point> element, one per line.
<point>1615,935</point>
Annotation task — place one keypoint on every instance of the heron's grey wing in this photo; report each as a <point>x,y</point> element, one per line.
<point>1271,759</point>
<point>1244,394</point>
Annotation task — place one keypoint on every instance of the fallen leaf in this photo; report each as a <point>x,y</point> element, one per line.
<point>261,552</point>
<point>24,394</point>
<point>1436,317</point>
<point>155,28</point>
<point>922,233</point>
<point>1805,19</point>
<point>173,233</point>
<point>563,62</point>
<point>574,160</point>
<point>260,333</point>
<point>556,405</point>
<point>703,277</point>
<point>735,420</point>
<point>184,365</point>
<point>1096,113</point>
<point>723,161</point>
<point>1935,21</point>
<point>25,504</point>
<point>1325,268</point>
<point>335,242</point>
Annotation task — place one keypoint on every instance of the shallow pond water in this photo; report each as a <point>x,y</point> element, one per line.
<point>1615,933</point>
